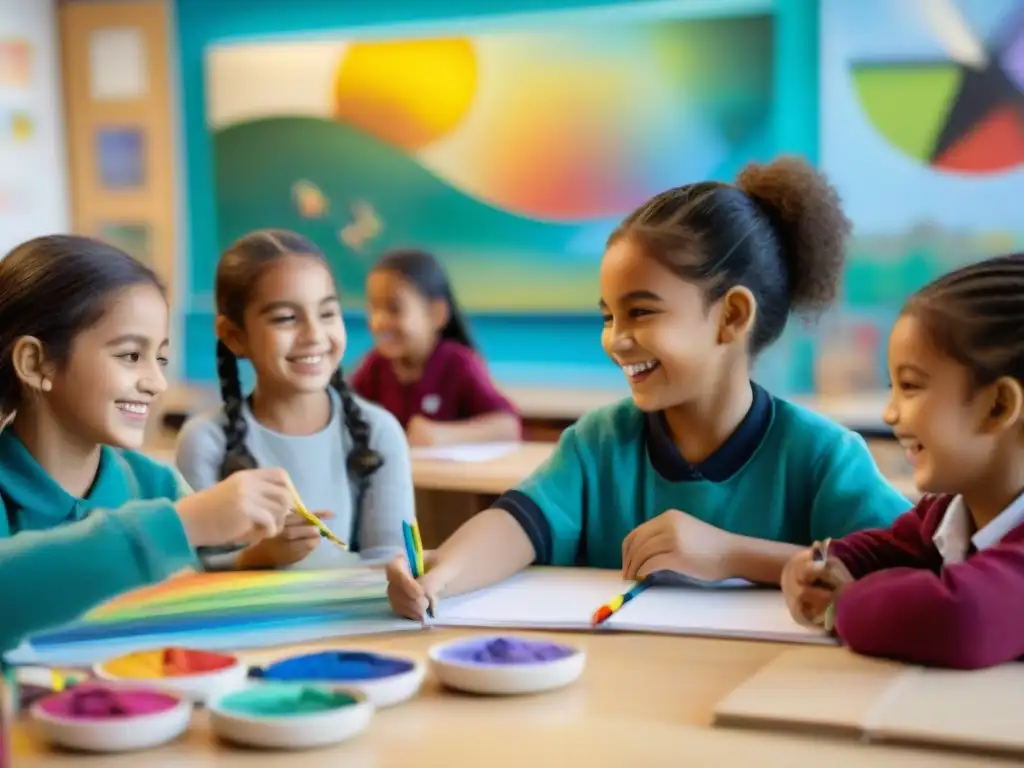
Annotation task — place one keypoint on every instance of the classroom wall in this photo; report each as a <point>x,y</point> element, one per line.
<point>531,349</point>
<point>33,183</point>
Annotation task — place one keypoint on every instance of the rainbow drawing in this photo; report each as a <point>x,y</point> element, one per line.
<point>224,611</point>
<point>511,155</point>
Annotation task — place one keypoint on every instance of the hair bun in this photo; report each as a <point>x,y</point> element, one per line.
<point>808,217</point>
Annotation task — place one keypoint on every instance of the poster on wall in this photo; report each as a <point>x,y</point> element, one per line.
<point>510,155</point>
<point>922,130</point>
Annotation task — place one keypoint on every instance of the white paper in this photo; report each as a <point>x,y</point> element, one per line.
<point>117,64</point>
<point>566,598</point>
<point>472,453</point>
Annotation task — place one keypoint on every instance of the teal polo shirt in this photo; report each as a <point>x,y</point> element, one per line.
<point>786,474</point>
<point>68,554</point>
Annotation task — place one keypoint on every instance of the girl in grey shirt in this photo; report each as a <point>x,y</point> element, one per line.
<point>277,307</point>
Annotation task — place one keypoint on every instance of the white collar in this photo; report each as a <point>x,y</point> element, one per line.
<point>953,537</point>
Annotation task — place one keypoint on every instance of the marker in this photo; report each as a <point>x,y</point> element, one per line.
<point>414,553</point>
<point>300,509</point>
<point>606,611</point>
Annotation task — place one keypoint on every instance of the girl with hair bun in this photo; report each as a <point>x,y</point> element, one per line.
<point>701,471</point>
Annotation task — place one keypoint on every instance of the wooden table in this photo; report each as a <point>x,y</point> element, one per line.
<point>644,700</point>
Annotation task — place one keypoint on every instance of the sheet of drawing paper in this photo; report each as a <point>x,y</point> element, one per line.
<point>565,598</point>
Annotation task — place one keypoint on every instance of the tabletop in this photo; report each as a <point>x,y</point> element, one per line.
<point>642,700</point>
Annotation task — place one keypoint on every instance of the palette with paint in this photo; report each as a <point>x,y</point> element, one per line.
<point>198,675</point>
<point>288,716</point>
<point>99,716</point>
<point>385,680</point>
<point>506,665</point>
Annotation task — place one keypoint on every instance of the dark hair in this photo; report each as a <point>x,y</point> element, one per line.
<point>975,314</point>
<point>779,231</point>
<point>53,288</point>
<point>426,275</point>
<point>239,268</point>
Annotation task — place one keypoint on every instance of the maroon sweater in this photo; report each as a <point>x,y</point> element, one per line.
<point>908,605</point>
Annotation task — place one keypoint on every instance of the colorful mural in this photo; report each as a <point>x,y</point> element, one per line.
<point>922,131</point>
<point>509,155</point>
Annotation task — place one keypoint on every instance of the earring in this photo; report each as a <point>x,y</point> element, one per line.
<point>45,385</point>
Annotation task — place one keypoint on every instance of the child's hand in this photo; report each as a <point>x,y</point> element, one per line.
<point>676,541</point>
<point>809,589</point>
<point>246,507</point>
<point>411,597</point>
<point>421,431</point>
<point>292,545</point>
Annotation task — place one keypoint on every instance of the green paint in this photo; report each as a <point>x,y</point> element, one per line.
<point>284,701</point>
<point>908,104</point>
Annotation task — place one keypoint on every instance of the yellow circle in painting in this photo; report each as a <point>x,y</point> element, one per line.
<point>408,93</point>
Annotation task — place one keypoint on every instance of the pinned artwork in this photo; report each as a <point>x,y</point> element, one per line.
<point>117,64</point>
<point>134,238</point>
<point>15,63</point>
<point>120,158</point>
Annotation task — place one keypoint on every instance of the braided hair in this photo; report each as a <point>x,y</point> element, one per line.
<point>974,315</point>
<point>237,271</point>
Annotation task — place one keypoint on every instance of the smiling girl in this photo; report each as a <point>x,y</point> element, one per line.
<point>83,515</point>
<point>278,308</point>
<point>944,585</point>
<point>424,367</point>
<point>702,471</point>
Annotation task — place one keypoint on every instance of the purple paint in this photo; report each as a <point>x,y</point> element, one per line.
<point>504,651</point>
<point>96,701</point>
<point>1013,60</point>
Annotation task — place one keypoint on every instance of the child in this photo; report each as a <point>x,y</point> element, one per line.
<point>83,340</point>
<point>703,471</point>
<point>425,369</point>
<point>277,306</point>
<point>944,585</point>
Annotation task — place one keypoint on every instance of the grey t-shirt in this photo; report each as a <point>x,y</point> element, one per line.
<point>317,466</point>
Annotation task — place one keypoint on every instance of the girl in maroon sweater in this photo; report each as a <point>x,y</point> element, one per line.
<point>945,585</point>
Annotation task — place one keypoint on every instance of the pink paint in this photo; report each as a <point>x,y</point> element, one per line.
<point>96,701</point>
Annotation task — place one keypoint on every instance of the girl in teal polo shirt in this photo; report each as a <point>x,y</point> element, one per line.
<point>83,516</point>
<point>702,471</point>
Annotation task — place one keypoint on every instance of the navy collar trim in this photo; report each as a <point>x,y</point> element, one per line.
<point>724,462</point>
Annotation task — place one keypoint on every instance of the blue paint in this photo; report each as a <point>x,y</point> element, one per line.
<point>533,350</point>
<point>504,651</point>
<point>334,666</point>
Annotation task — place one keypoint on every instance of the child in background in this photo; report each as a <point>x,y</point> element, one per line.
<point>278,307</point>
<point>83,343</point>
<point>702,472</point>
<point>944,585</point>
<point>425,369</point>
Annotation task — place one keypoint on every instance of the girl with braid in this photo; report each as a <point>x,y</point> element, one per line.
<point>278,308</point>
<point>944,585</point>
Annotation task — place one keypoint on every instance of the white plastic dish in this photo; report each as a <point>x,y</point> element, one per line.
<point>105,721</point>
<point>394,678</point>
<point>506,665</point>
<point>199,686</point>
<point>258,716</point>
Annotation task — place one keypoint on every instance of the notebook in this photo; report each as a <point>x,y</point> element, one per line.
<point>830,690</point>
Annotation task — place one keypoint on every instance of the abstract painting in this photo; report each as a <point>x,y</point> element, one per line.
<point>922,130</point>
<point>510,155</point>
